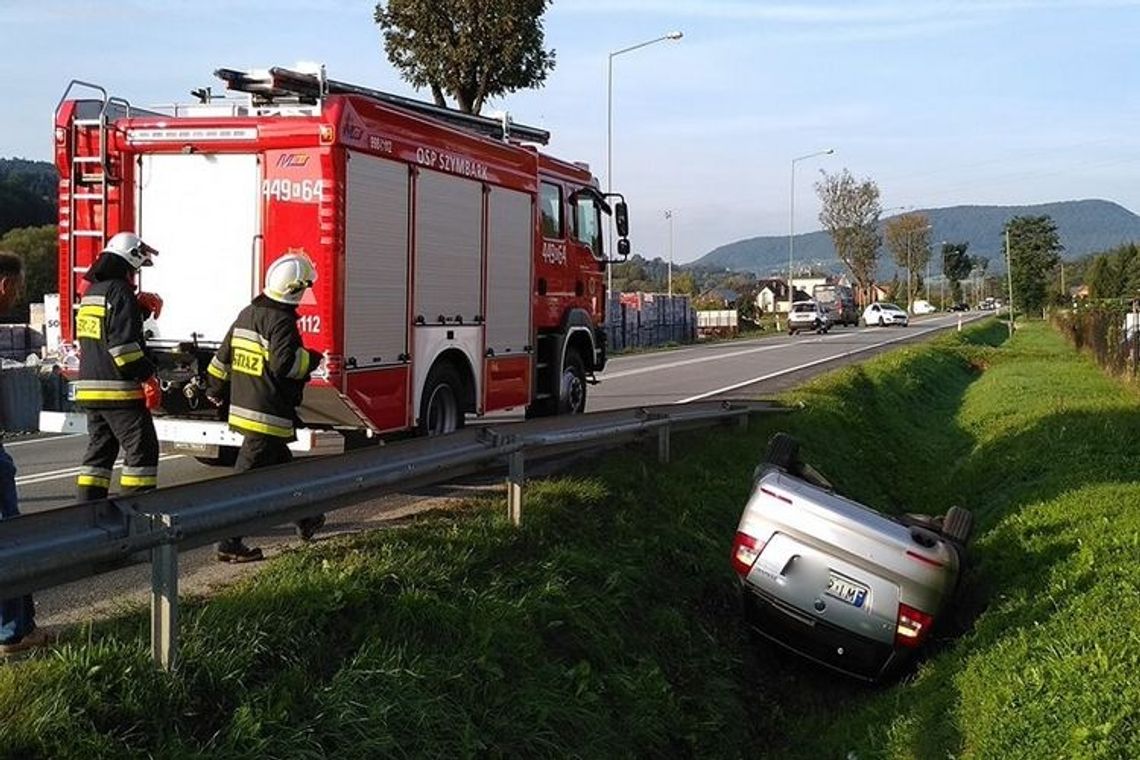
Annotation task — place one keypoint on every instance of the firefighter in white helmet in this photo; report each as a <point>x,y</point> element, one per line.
<point>265,366</point>
<point>116,375</point>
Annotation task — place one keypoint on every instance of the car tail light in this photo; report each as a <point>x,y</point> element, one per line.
<point>913,627</point>
<point>745,550</point>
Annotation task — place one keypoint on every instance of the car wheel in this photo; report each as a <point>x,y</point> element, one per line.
<point>783,451</point>
<point>958,524</point>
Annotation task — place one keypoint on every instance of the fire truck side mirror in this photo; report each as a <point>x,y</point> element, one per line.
<point>623,247</point>
<point>621,219</point>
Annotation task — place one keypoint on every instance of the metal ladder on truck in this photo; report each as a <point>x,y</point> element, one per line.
<point>281,83</point>
<point>90,172</point>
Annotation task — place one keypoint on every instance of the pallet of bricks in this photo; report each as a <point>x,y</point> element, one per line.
<point>641,320</point>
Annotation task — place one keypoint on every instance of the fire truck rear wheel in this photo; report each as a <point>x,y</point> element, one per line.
<point>441,409</point>
<point>572,392</point>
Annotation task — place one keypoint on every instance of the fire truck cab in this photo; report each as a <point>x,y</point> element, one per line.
<point>459,269</point>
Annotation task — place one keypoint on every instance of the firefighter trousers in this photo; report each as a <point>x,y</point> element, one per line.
<point>107,430</point>
<point>259,451</point>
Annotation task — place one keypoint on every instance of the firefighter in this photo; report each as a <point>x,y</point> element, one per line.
<point>266,366</point>
<point>115,374</point>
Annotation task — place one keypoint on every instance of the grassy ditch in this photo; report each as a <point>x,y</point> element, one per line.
<point>606,625</point>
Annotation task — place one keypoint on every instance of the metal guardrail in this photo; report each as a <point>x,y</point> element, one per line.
<point>44,549</point>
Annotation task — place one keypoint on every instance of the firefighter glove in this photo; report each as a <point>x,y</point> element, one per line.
<point>152,392</point>
<point>151,302</point>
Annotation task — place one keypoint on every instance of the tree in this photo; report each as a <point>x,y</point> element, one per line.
<point>850,213</point>
<point>684,284</point>
<point>1102,278</point>
<point>1035,249</point>
<point>469,49</point>
<point>956,266</point>
<point>37,246</point>
<point>907,237</point>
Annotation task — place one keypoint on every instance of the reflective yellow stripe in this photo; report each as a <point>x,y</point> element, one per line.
<point>138,480</point>
<point>249,345</point>
<point>300,364</point>
<point>93,480</point>
<point>217,368</point>
<point>125,359</point>
<point>89,395</point>
<point>260,427</point>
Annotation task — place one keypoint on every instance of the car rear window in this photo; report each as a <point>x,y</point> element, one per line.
<point>802,307</point>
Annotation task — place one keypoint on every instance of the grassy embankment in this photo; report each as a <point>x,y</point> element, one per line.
<point>606,625</point>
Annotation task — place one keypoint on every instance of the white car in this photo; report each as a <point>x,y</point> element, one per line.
<point>808,315</point>
<point>922,307</point>
<point>883,314</point>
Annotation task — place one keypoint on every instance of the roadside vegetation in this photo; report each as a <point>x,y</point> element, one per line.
<point>606,625</point>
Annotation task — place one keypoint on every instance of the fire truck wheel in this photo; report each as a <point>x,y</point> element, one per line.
<point>441,411</point>
<point>572,394</point>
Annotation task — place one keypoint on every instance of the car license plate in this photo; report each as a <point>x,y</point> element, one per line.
<point>845,590</point>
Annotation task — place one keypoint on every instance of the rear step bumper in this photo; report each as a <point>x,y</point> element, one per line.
<point>194,433</point>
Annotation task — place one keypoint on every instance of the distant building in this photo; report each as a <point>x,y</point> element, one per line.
<point>772,296</point>
<point>727,297</point>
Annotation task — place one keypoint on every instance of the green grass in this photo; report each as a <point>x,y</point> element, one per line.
<point>606,626</point>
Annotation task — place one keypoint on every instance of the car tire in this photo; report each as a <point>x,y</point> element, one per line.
<point>882,322</point>
<point>958,524</point>
<point>783,452</point>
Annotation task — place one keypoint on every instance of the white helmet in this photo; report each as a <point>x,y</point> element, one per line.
<point>289,277</point>
<point>130,246</point>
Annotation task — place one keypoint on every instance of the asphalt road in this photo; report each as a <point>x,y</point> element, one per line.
<point>730,369</point>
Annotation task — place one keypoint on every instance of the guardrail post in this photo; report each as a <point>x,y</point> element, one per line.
<point>515,477</point>
<point>742,421</point>
<point>164,599</point>
<point>663,444</point>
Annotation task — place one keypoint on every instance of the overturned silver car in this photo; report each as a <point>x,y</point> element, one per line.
<point>836,581</point>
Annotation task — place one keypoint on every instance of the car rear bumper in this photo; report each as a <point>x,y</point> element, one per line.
<point>826,644</point>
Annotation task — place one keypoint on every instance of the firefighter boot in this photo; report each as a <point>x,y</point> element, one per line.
<point>307,527</point>
<point>235,551</point>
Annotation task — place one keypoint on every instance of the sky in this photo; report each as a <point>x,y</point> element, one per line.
<point>960,102</point>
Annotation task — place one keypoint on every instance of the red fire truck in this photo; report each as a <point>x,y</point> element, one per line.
<point>459,268</point>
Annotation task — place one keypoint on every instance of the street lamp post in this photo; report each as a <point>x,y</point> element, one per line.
<point>792,223</point>
<point>669,216</point>
<point>610,135</point>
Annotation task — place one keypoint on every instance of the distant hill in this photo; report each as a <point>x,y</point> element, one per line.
<point>1088,226</point>
<point>27,193</point>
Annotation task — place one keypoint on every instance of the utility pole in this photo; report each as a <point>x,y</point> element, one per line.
<point>1009,272</point>
<point>669,216</point>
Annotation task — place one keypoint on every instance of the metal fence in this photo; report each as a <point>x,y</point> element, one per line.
<point>45,549</point>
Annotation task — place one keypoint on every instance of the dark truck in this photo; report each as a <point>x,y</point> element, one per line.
<point>839,300</point>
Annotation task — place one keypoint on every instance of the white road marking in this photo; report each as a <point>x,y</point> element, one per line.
<point>70,472</point>
<point>8,445</point>
<point>798,367</point>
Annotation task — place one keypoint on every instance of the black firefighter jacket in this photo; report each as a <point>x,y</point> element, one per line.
<point>112,351</point>
<point>267,366</point>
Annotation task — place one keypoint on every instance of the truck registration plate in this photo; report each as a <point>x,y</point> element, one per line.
<point>846,591</point>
